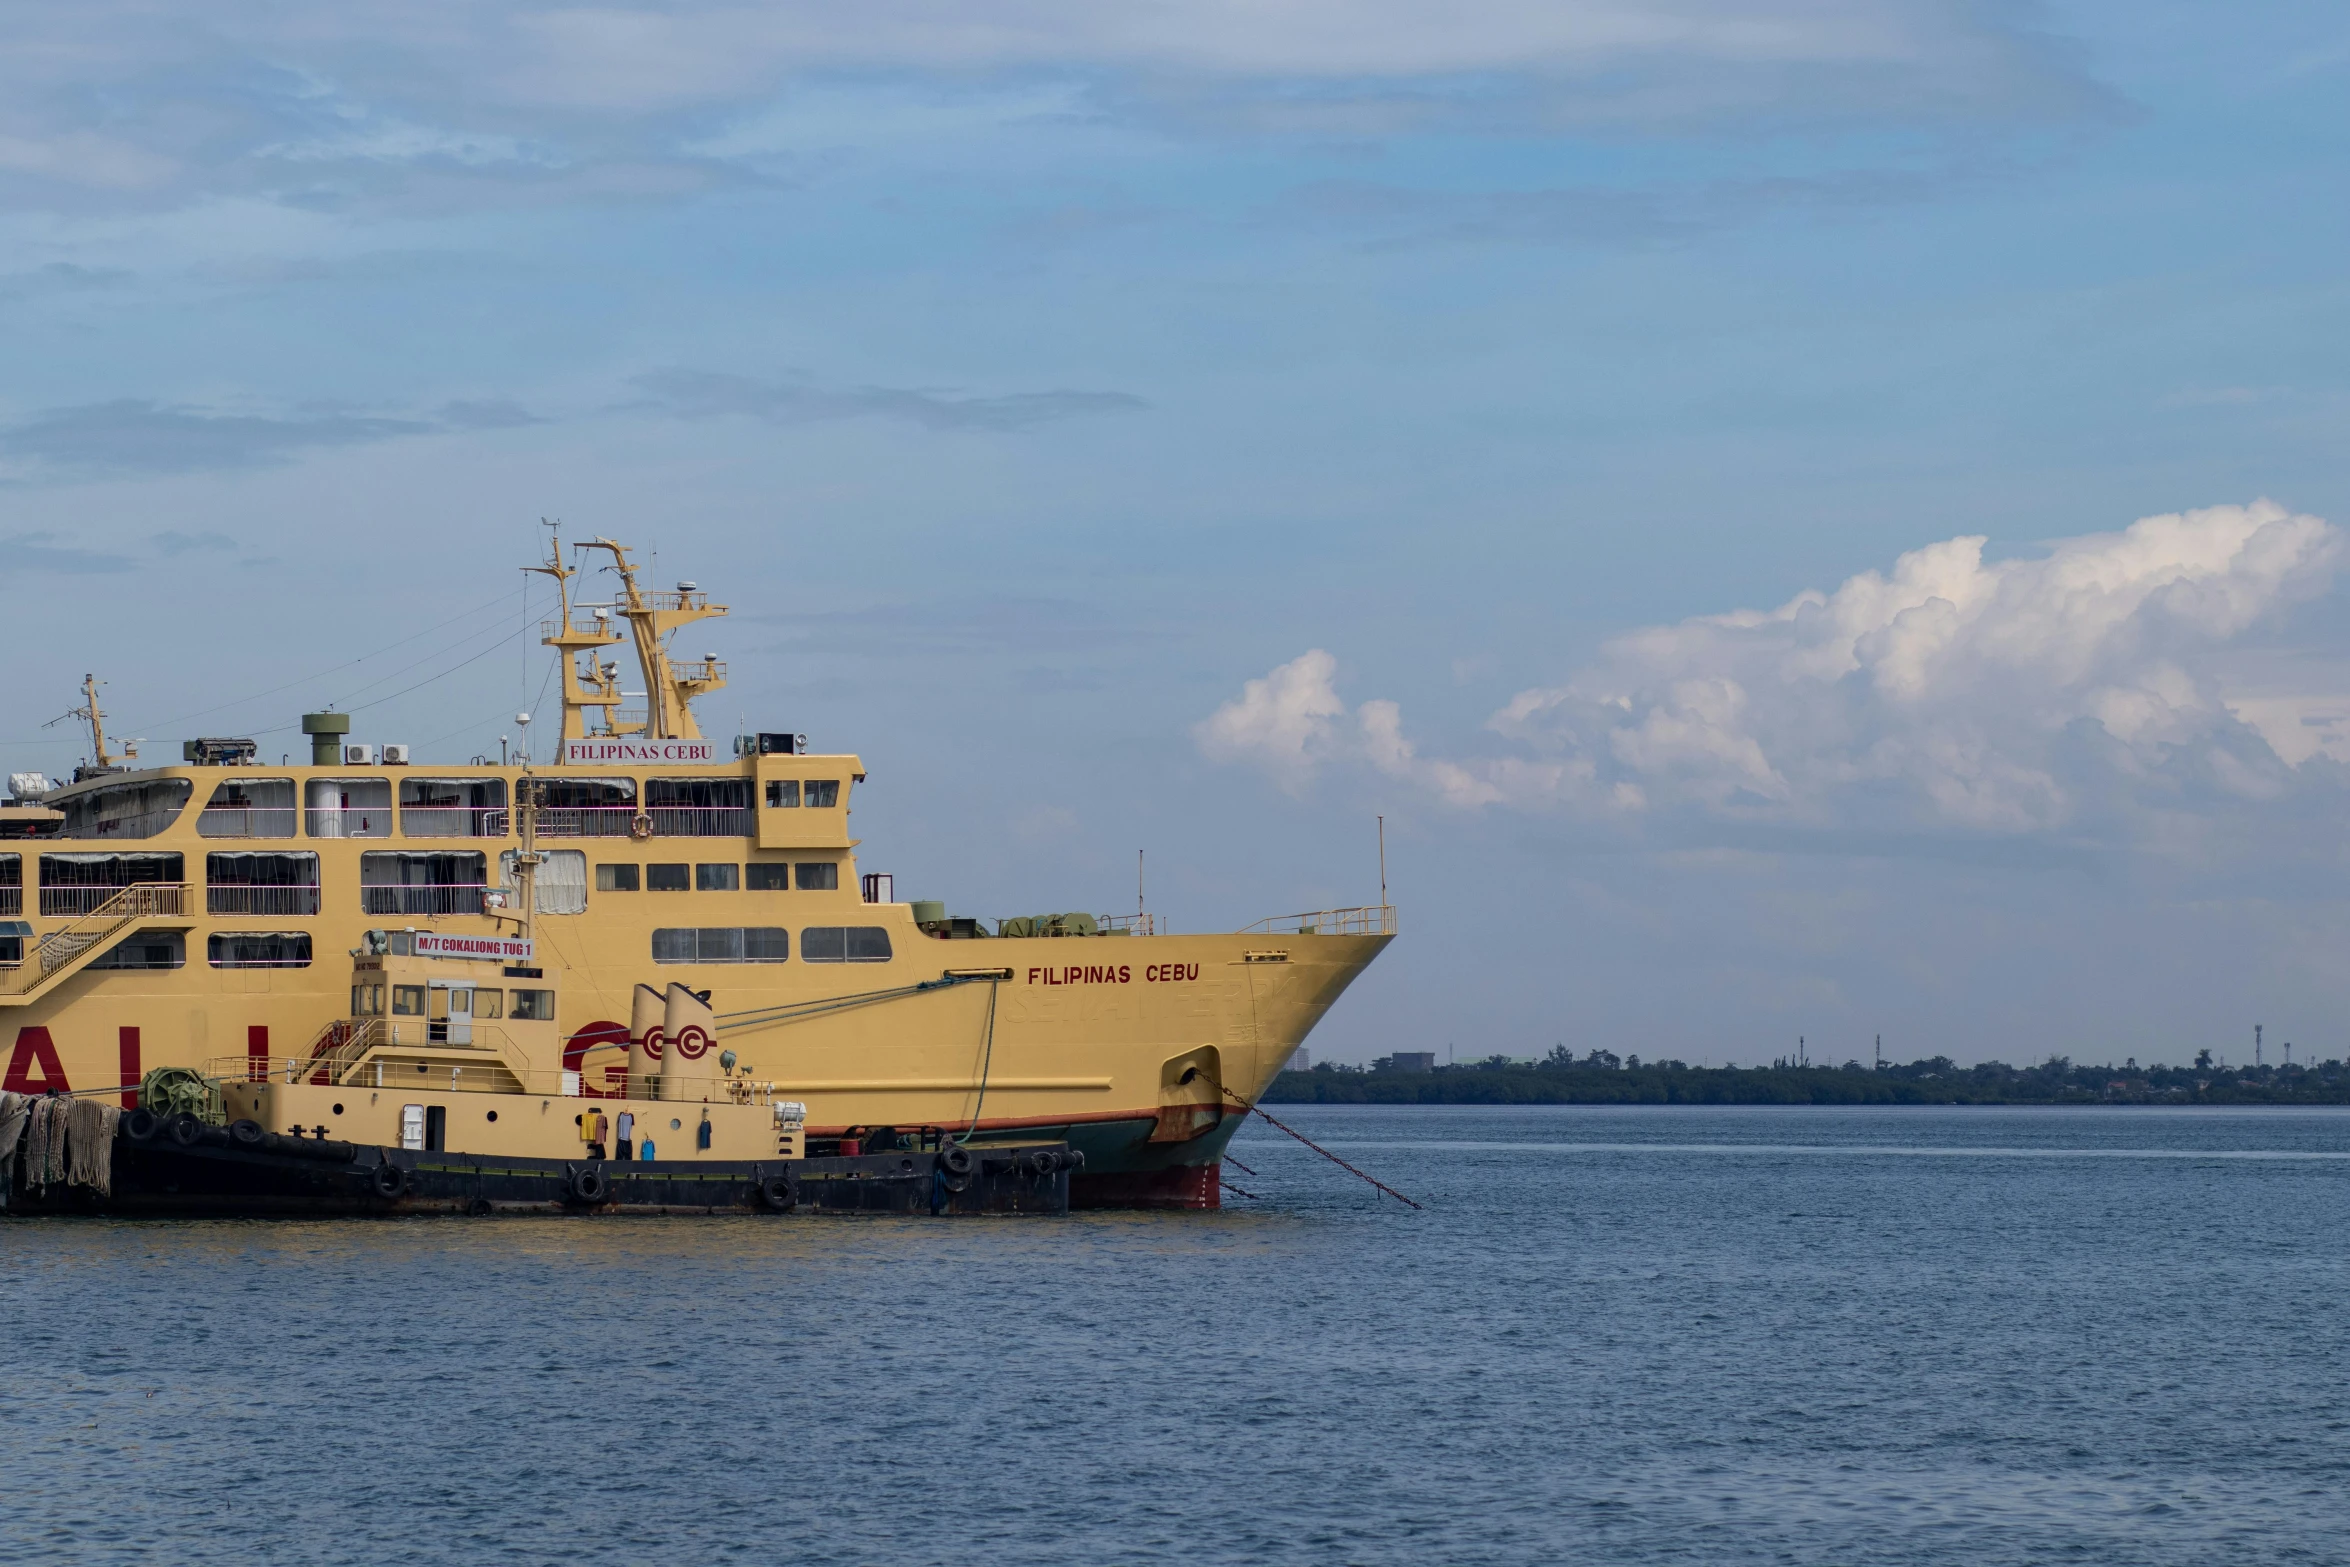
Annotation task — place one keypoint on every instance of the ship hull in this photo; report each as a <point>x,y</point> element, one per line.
<point>1138,1050</point>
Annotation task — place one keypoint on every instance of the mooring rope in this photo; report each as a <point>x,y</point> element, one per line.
<point>986,1061</point>
<point>795,1011</point>
<point>1250,1109</point>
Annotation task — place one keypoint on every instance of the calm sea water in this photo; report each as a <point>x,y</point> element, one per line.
<point>1641,1335</point>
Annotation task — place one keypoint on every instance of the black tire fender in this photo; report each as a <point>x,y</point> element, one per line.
<point>587,1185</point>
<point>246,1134</point>
<point>141,1125</point>
<point>186,1130</point>
<point>390,1180</point>
<point>780,1192</point>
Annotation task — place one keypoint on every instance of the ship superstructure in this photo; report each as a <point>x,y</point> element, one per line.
<point>171,915</point>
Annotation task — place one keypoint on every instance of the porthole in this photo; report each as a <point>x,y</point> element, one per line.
<point>674,1123</point>
<point>493,1115</point>
<point>338,1109</point>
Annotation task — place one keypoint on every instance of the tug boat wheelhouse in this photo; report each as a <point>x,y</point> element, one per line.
<point>172,916</point>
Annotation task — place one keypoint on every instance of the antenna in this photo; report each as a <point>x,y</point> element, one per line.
<point>96,719</point>
<point>1138,887</point>
<point>1383,862</point>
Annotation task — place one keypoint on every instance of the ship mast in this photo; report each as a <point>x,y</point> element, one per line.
<point>670,688</point>
<point>92,714</point>
<point>570,641</point>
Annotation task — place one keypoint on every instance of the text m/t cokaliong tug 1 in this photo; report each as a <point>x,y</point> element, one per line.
<point>168,916</point>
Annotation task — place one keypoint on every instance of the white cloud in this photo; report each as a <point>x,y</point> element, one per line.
<point>2074,690</point>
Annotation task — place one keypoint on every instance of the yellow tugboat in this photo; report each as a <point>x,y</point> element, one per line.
<point>176,915</point>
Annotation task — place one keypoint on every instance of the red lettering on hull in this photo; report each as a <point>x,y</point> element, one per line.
<point>34,1048</point>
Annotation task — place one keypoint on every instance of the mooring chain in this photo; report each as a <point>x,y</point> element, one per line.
<point>1250,1109</point>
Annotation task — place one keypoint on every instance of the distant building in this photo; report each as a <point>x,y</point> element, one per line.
<point>1301,1061</point>
<point>1412,1061</point>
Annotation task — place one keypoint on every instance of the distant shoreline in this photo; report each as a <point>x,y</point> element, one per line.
<point>1934,1082</point>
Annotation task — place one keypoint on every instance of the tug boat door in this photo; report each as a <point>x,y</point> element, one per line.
<point>449,1012</point>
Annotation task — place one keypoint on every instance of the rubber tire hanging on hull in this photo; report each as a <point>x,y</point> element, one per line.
<point>390,1180</point>
<point>779,1193</point>
<point>587,1185</point>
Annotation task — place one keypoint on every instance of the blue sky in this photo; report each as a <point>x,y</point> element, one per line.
<point>1032,379</point>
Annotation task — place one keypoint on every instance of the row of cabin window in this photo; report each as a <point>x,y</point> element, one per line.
<point>266,807</point>
<point>165,950</point>
<point>768,876</point>
<point>771,944</point>
<point>529,1006</point>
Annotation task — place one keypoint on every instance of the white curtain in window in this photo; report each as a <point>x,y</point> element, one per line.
<point>562,879</point>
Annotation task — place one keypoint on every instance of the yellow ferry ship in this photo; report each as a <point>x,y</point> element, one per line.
<point>167,916</point>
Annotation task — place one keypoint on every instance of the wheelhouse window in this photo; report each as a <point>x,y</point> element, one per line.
<point>147,950</point>
<point>819,875</point>
<point>11,884</point>
<point>723,944</point>
<point>666,878</point>
<point>822,794</point>
<point>586,807</point>
<point>393,882</point>
<point>237,883</point>
<point>258,949</point>
<point>248,808</point>
<point>348,808</point>
<point>127,810</point>
<point>699,807</point>
<point>783,794</point>
<point>562,881</point>
<point>78,883</point>
<point>453,807</point>
<point>616,878</point>
<point>717,878</point>
<point>533,1006</point>
<point>407,1001</point>
<point>772,876</point>
<point>844,944</point>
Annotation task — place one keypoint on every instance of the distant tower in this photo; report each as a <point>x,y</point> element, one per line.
<point>2256,1044</point>
<point>1880,1052</point>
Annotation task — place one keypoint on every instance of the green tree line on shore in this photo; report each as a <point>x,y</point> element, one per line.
<point>1602,1078</point>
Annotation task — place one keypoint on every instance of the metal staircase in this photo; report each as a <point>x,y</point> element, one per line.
<point>146,905</point>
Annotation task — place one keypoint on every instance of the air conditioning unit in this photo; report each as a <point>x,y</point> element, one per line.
<point>359,756</point>
<point>395,756</point>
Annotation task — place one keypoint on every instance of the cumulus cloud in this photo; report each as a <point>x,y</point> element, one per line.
<point>2073,690</point>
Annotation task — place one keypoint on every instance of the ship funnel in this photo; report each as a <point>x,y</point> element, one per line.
<point>688,1030</point>
<point>644,1041</point>
<point>326,731</point>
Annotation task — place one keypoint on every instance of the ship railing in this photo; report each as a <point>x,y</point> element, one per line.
<point>1131,924</point>
<point>585,821</point>
<point>461,821</point>
<point>98,902</point>
<point>1366,920</point>
<point>297,899</point>
<point>347,1066</point>
<point>11,900</point>
<point>423,898</point>
<point>710,670</point>
<point>241,821</point>
<point>345,1043</point>
<point>355,821</point>
<point>578,628</point>
<point>696,821</point>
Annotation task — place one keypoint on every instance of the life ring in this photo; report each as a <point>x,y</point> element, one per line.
<point>390,1180</point>
<point>141,1125</point>
<point>246,1134</point>
<point>640,827</point>
<point>587,1184</point>
<point>779,1193</point>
